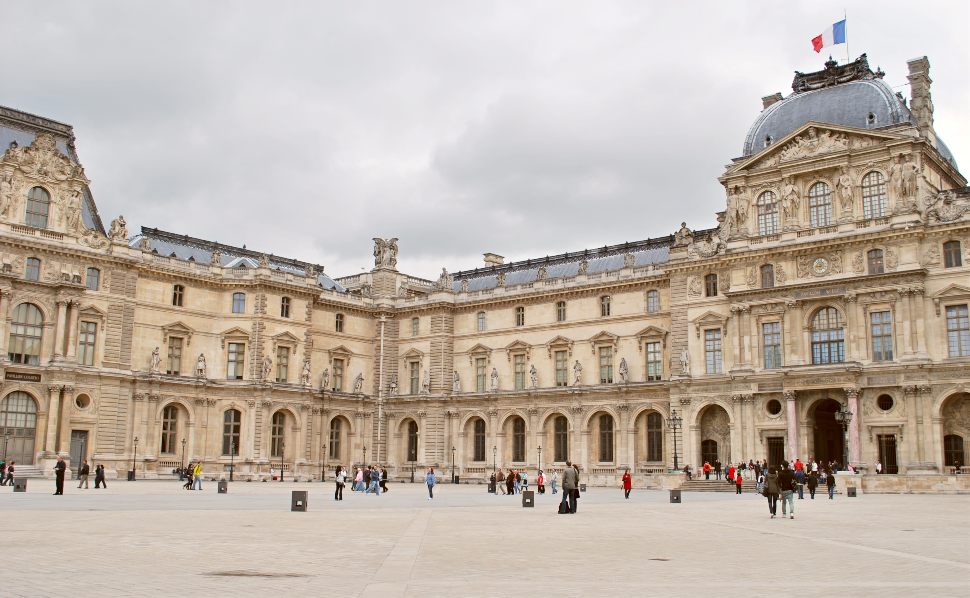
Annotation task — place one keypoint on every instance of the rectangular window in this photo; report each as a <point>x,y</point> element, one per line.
<point>606,365</point>
<point>239,303</point>
<point>561,311</point>
<point>285,307</point>
<point>710,285</point>
<point>479,374</point>
<point>414,377</point>
<point>32,270</point>
<point>882,335</point>
<point>338,374</point>
<point>605,306</point>
<point>178,293</point>
<point>85,343</point>
<point>562,369</point>
<point>415,326</point>
<point>957,331</point>
<point>712,350</point>
<point>771,343</point>
<point>338,322</point>
<point>654,362</point>
<point>520,316</point>
<point>951,255</point>
<point>282,363</point>
<point>235,361</point>
<point>481,321</point>
<point>93,280</point>
<point>519,367</point>
<point>174,356</point>
<point>653,302</point>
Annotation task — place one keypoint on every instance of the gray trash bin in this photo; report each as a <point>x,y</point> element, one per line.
<point>131,475</point>
<point>582,487</point>
<point>298,501</point>
<point>223,487</point>
<point>675,496</point>
<point>528,498</point>
<point>850,491</point>
<point>20,484</point>
<point>457,477</point>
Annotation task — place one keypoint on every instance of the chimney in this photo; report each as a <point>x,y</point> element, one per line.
<point>921,104</point>
<point>769,100</point>
<point>494,259</point>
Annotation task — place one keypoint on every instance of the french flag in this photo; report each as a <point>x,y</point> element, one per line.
<point>831,36</point>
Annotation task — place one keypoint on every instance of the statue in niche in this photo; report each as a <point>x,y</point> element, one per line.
<point>624,371</point>
<point>305,374</point>
<point>156,361</point>
<point>325,379</point>
<point>73,211</point>
<point>385,253</point>
<point>426,383</point>
<point>738,210</point>
<point>494,380</point>
<point>215,259</point>
<point>464,286</point>
<point>790,199</point>
<point>392,386</point>
<point>455,382</point>
<point>358,384</point>
<point>577,373</point>
<point>844,186</point>
<point>533,376</point>
<point>683,237</point>
<point>6,193</point>
<point>200,366</point>
<point>119,229</point>
<point>910,177</point>
<point>685,362</point>
<point>267,367</point>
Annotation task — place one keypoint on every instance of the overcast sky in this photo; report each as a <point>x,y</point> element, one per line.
<point>521,128</point>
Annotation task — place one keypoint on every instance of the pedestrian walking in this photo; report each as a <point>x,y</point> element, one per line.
<point>510,482</point>
<point>430,480</point>
<point>800,482</point>
<point>830,483</point>
<point>9,478</point>
<point>500,482</point>
<point>812,484</point>
<point>737,481</point>
<point>570,485</point>
<point>3,473</point>
<point>375,481</point>
<point>383,479</point>
<point>786,481</point>
<point>771,491</point>
<point>541,482</point>
<point>717,469</point>
<point>707,470</point>
<point>627,483</point>
<point>553,481</point>
<point>525,480</point>
<point>82,474</point>
<point>59,468</point>
<point>99,477</point>
<point>197,476</point>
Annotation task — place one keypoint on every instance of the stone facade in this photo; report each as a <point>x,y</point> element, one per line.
<point>837,277</point>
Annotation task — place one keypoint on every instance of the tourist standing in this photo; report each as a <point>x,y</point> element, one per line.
<point>800,482</point>
<point>383,479</point>
<point>627,483</point>
<point>737,481</point>
<point>196,476</point>
<point>499,482</point>
<point>812,484</point>
<point>717,469</point>
<point>375,481</point>
<point>786,481</point>
<point>771,491</point>
<point>540,482</point>
<point>340,478</point>
<point>59,468</point>
<point>570,484</point>
<point>99,477</point>
<point>82,474</point>
<point>430,480</point>
<point>554,481</point>
<point>707,470</point>
<point>510,482</point>
<point>830,483</point>
<point>878,467</point>
<point>358,480</point>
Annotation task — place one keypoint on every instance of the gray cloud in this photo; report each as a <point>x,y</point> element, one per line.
<point>524,128</point>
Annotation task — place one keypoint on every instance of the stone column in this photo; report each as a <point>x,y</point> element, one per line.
<point>307,431</point>
<point>53,418</point>
<point>918,309</point>
<point>734,331</point>
<point>906,332</point>
<point>59,328</point>
<point>152,426</point>
<point>687,436</point>
<point>534,440</point>
<point>793,332</point>
<point>792,415</point>
<point>75,312</point>
<point>64,435</point>
<point>912,428</point>
<point>250,452</point>
<point>852,404</point>
<point>852,325</point>
<point>4,335</point>
<point>737,429</point>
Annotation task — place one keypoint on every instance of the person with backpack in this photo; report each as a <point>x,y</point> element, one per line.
<point>771,491</point>
<point>800,482</point>
<point>812,484</point>
<point>99,477</point>
<point>786,481</point>
<point>570,486</point>
<point>340,478</point>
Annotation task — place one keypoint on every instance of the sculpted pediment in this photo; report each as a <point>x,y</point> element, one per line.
<point>950,293</point>
<point>813,139</point>
<point>179,329</point>
<point>412,354</point>
<point>650,333</point>
<point>707,320</point>
<point>603,338</point>
<point>559,342</point>
<point>234,333</point>
<point>479,350</point>
<point>285,339</point>
<point>518,347</point>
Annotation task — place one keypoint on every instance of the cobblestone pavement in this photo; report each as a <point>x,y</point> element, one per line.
<point>151,538</point>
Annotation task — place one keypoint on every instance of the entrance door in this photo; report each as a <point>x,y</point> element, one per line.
<point>709,451</point>
<point>828,437</point>
<point>79,448</point>
<point>18,426</point>
<point>887,453</point>
<point>776,450</point>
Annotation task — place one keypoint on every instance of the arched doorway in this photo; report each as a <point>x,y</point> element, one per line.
<point>956,430</point>
<point>18,427</point>
<point>828,441</point>
<point>715,435</point>
<point>338,447</point>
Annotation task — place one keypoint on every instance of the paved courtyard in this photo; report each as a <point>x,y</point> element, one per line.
<point>151,538</point>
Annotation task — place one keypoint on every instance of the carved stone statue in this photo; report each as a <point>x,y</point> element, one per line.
<point>910,176</point>
<point>542,274</point>
<point>6,193</point>
<point>583,267</point>
<point>267,367</point>
<point>500,279</point>
<point>844,186</point>
<point>385,253</point>
<point>577,373</point>
<point>359,384</point>
<point>624,371</point>
<point>533,376</point>
<point>446,282</point>
<point>156,361</point>
<point>119,229</point>
<point>455,382</point>
<point>896,177</point>
<point>325,379</point>
<point>392,386</point>
<point>790,199</point>
<point>145,244</point>
<point>464,286</point>
<point>683,237</point>
<point>737,212</point>
<point>305,374</point>
<point>685,362</point>
<point>215,259</point>
<point>425,383</point>
<point>494,380</point>
<point>200,366</point>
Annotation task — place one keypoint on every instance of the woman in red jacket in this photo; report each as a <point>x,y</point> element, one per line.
<point>627,483</point>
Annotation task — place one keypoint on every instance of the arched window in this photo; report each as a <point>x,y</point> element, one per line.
<point>284,307</point>
<point>520,316</point>
<point>820,205</point>
<point>560,311</point>
<point>481,321</point>
<point>277,434</point>
<point>710,285</point>
<point>93,279</point>
<point>561,438</point>
<point>231,423</point>
<point>655,437</point>
<point>828,337</point>
<point>875,262</point>
<point>18,427</point>
<point>32,270</point>
<point>951,255</point>
<point>338,322</point>
<point>336,425</point>
<point>606,438</point>
<point>653,302</point>
<point>873,195</point>
<point>412,441</point>
<point>26,327</point>
<point>38,207</point>
<point>767,213</point>
<point>178,295</point>
<point>767,276</point>
<point>605,305</point>
<point>479,445</point>
<point>518,440</point>
<point>170,419</point>
<point>953,451</point>
<point>239,303</point>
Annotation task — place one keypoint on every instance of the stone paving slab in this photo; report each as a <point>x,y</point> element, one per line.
<point>154,539</point>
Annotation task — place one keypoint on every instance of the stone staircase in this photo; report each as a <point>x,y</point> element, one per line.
<point>712,485</point>
<point>28,471</point>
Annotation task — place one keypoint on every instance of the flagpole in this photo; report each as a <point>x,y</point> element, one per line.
<point>848,57</point>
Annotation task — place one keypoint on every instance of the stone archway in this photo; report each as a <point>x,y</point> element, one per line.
<point>18,427</point>
<point>715,434</point>
<point>955,413</point>
<point>828,440</point>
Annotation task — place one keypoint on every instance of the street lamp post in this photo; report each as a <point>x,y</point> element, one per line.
<point>675,422</point>
<point>182,464</point>
<point>232,458</point>
<point>412,471</point>
<point>282,456</point>
<point>495,468</point>
<point>452,465</point>
<point>323,461</point>
<point>539,466</point>
<point>364,464</point>
<point>844,417</point>
<point>6,438</point>
<point>134,451</point>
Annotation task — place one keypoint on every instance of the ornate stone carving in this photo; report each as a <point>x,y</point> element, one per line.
<point>892,260</point>
<point>6,193</point>
<point>119,230</point>
<point>445,282</point>
<point>682,238</point>
<point>694,286</point>
<point>155,361</point>
<point>577,373</point>
<point>464,286</point>
<point>751,277</point>
<point>931,257</point>
<point>359,384</point>
<point>812,142</point>
<point>542,273</point>
<point>947,206</point>
<point>844,187</point>
<point>736,217</point>
<point>780,276</point>
<point>706,247</point>
<point>93,239</point>
<point>500,279</point>
<point>858,263</point>
<point>385,253</point>
<point>267,368</point>
<point>215,259</point>
<point>624,371</point>
<point>685,362</point>
<point>41,160</point>
<point>533,376</point>
<point>822,265</point>
<point>200,366</point>
<point>724,281</point>
<point>790,200</point>
<point>493,377</point>
<point>455,382</point>
<point>628,260</point>
<point>425,383</point>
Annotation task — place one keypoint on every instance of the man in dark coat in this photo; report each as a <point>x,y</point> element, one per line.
<point>59,468</point>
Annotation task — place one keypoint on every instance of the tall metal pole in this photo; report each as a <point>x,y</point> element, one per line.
<point>232,459</point>
<point>133,453</point>
<point>495,468</point>
<point>282,456</point>
<point>452,465</point>
<point>323,461</point>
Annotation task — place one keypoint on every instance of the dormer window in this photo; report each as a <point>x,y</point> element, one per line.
<point>768,140</point>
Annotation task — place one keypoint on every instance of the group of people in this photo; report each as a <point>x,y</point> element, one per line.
<point>368,479</point>
<point>791,478</point>
<point>7,471</point>
<point>193,476</point>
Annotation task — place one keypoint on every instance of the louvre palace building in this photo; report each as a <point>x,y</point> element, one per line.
<point>837,281</point>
